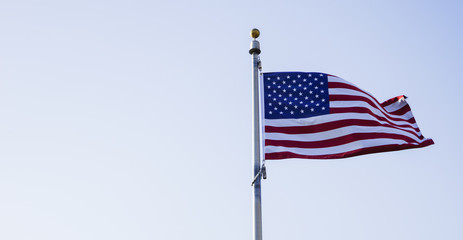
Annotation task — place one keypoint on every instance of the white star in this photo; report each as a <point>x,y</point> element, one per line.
<point>298,76</point>
<point>316,96</point>
<point>279,95</point>
<point>316,79</point>
<point>275,108</point>
<point>284,99</point>
<point>310,75</point>
<point>270,112</point>
<point>284,90</point>
<point>295,106</point>
<point>316,87</point>
<point>300,85</point>
<point>268,86</point>
<point>321,83</point>
<point>311,101</point>
<point>279,86</point>
<point>292,112</point>
<point>294,81</point>
<point>300,94</point>
<point>290,95</point>
<point>306,98</point>
<point>302,110</point>
<point>274,99</point>
<point>274,91</point>
<point>294,89</point>
<point>307,105</point>
<point>290,103</point>
<point>323,100</point>
<point>279,103</point>
<point>321,75</point>
<point>268,78</point>
<point>274,83</point>
<point>322,91</point>
<point>312,109</point>
<point>281,112</point>
<point>310,92</point>
<point>300,102</point>
<point>278,78</point>
<point>295,99</point>
<point>287,77</point>
<point>305,88</point>
<point>270,104</point>
<point>289,86</point>
<point>304,80</point>
<point>318,104</point>
<point>323,108</point>
<point>286,108</point>
<point>310,84</point>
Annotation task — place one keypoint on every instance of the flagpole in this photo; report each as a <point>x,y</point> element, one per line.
<point>257,207</point>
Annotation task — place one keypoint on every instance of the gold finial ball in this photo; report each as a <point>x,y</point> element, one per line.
<point>255,33</point>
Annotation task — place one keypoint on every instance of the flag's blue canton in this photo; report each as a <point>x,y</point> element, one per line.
<point>295,95</point>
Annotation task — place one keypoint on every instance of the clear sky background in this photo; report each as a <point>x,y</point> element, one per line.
<point>132,119</point>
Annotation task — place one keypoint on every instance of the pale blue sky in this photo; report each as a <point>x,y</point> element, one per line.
<point>132,119</point>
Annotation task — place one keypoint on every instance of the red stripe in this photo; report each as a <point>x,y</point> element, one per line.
<point>338,141</point>
<point>402,110</point>
<point>392,100</point>
<point>345,98</point>
<point>368,111</point>
<point>322,127</point>
<point>385,148</point>
<point>351,87</point>
<point>383,105</point>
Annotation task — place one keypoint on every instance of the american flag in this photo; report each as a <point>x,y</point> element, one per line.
<point>321,116</point>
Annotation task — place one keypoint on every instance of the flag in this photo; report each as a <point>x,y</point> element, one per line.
<point>321,116</point>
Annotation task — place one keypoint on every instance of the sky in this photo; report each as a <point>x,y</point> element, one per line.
<point>132,119</point>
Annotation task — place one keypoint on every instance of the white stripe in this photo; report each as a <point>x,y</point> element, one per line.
<point>350,92</point>
<point>340,80</point>
<point>339,132</point>
<point>337,149</point>
<point>337,79</point>
<point>396,105</point>
<point>326,119</point>
<point>346,104</point>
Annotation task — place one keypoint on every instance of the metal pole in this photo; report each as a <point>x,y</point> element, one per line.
<point>257,207</point>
